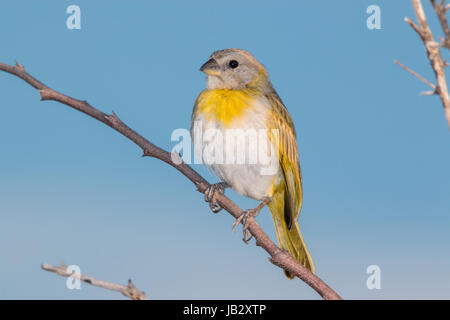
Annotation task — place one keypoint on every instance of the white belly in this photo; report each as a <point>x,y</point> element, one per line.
<point>239,154</point>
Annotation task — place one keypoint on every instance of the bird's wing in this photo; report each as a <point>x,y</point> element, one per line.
<point>288,156</point>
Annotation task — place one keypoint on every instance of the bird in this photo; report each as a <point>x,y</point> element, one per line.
<point>239,97</point>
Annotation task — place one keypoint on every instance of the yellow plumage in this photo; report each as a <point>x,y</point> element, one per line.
<point>244,100</point>
<point>224,105</point>
<point>287,199</point>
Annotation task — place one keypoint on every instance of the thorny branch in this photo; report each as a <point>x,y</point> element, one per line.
<point>278,257</point>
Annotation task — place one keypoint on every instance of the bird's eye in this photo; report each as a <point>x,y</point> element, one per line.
<point>233,64</point>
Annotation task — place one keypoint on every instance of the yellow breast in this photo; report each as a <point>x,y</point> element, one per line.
<point>224,105</point>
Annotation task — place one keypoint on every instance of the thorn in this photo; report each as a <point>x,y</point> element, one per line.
<point>19,66</point>
<point>113,118</point>
<point>43,93</point>
<point>428,93</point>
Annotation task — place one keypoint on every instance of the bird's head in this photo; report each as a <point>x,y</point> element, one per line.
<point>235,69</point>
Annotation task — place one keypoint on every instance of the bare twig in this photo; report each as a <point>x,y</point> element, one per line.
<point>415,74</point>
<point>441,11</point>
<point>414,26</point>
<point>128,291</point>
<point>432,47</point>
<point>279,257</point>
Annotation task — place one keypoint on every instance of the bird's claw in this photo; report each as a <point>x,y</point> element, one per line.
<point>211,193</point>
<point>245,219</point>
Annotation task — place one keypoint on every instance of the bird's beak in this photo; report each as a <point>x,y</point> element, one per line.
<point>210,67</point>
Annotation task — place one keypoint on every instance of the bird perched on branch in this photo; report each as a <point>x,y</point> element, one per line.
<point>240,102</point>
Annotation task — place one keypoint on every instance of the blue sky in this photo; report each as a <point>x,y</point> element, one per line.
<point>375,155</point>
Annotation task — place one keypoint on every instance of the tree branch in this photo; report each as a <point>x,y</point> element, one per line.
<point>128,291</point>
<point>432,47</point>
<point>441,11</point>
<point>278,257</point>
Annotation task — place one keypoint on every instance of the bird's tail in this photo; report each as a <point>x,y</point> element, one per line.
<point>291,238</point>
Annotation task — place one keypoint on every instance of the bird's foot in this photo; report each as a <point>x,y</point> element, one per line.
<point>211,193</point>
<point>245,219</point>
